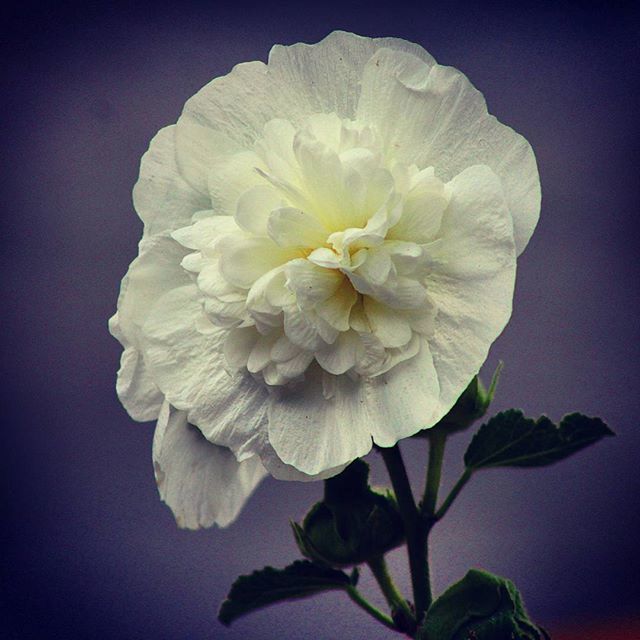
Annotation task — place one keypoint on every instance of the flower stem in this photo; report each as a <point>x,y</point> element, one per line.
<point>437,441</point>
<point>364,604</point>
<point>457,488</point>
<point>388,587</point>
<point>414,529</point>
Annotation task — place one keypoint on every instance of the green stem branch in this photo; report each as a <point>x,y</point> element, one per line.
<point>457,488</point>
<point>414,529</point>
<point>437,441</point>
<point>364,604</point>
<point>388,587</point>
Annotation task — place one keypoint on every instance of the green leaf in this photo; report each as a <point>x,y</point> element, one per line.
<point>511,440</point>
<point>481,606</point>
<point>268,586</point>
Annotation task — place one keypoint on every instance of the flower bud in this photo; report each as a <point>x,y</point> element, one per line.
<point>352,524</point>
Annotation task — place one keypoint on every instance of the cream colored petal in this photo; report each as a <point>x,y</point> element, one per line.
<point>245,259</point>
<point>326,76</point>
<point>190,369</point>
<point>255,206</point>
<point>472,284</point>
<point>231,177</point>
<point>336,310</point>
<point>313,433</point>
<point>161,196</point>
<point>476,235</point>
<point>238,345</point>
<point>205,231</point>
<point>289,227</point>
<point>432,115</point>
<point>155,271</point>
<point>310,283</point>
<point>198,148</point>
<point>342,355</point>
<point>405,399</point>
<point>202,483</point>
<point>136,389</point>
<point>240,103</point>
<point>386,324</point>
<point>422,210</point>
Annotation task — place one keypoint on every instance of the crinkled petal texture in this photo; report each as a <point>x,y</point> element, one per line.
<point>329,252</point>
<point>203,483</point>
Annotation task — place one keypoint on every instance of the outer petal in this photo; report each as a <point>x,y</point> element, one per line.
<point>189,368</point>
<point>405,399</point>
<point>240,103</point>
<point>197,147</point>
<point>313,433</point>
<point>155,271</point>
<point>282,471</point>
<point>136,389</point>
<point>163,199</point>
<point>202,483</point>
<point>299,80</point>
<point>326,76</point>
<point>473,293</point>
<point>433,116</point>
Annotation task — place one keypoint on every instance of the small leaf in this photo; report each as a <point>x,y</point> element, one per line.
<point>481,606</point>
<point>511,440</point>
<point>268,586</point>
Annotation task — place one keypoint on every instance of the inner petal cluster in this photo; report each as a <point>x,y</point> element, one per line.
<point>317,249</point>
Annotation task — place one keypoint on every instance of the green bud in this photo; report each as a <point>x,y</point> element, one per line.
<point>352,524</point>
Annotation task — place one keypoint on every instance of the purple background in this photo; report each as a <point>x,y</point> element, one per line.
<point>90,550</point>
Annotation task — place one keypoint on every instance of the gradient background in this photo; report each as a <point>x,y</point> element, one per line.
<point>90,551</point>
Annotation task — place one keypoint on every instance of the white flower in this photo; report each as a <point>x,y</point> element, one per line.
<point>329,251</point>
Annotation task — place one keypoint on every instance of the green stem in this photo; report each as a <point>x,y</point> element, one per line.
<point>414,529</point>
<point>388,587</point>
<point>364,604</point>
<point>457,488</point>
<point>437,441</point>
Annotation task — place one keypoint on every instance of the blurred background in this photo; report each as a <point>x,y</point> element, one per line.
<point>89,550</point>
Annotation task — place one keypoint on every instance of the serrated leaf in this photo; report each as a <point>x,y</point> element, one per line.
<point>268,586</point>
<point>511,440</point>
<point>481,606</point>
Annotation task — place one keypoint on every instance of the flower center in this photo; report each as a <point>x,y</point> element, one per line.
<point>324,258</point>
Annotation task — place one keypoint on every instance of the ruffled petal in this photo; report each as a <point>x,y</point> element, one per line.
<point>163,199</point>
<point>405,399</point>
<point>313,433</point>
<point>326,75</point>
<point>197,148</point>
<point>189,368</point>
<point>136,389</point>
<point>202,483</point>
<point>432,115</point>
<point>255,206</point>
<point>472,290</point>
<point>155,271</point>
<point>245,259</point>
<point>289,227</point>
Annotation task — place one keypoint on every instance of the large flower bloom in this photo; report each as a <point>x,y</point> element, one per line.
<point>329,251</point>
